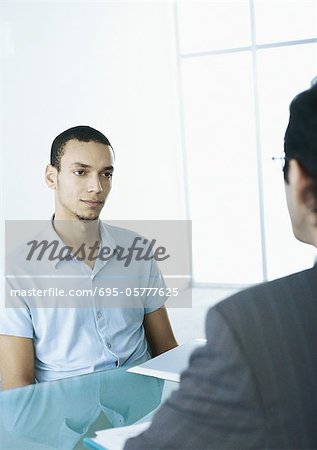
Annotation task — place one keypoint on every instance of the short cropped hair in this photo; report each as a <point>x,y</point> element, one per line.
<point>300,141</point>
<point>82,133</point>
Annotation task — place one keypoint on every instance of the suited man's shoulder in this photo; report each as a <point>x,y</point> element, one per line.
<point>273,295</point>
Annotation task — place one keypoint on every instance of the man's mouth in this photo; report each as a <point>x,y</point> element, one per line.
<point>93,203</point>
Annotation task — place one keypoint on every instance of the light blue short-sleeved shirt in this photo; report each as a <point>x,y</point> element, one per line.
<point>98,324</point>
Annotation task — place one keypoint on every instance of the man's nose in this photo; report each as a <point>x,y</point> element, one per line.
<point>94,184</point>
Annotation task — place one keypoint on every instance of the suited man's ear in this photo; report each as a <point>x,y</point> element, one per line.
<point>300,183</point>
<point>51,176</point>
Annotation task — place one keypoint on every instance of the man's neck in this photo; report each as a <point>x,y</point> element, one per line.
<point>78,232</point>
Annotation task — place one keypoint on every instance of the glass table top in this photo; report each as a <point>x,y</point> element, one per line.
<point>59,414</point>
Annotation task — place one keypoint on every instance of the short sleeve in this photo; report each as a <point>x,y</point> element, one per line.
<point>15,321</point>
<point>156,281</point>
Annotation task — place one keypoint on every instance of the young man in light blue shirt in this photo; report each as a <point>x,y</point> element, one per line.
<point>97,324</point>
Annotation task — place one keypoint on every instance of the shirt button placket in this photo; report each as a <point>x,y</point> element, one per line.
<point>101,325</point>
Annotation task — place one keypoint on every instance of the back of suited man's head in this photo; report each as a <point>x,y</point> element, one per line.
<point>300,140</point>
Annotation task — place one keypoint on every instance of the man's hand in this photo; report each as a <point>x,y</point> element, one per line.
<point>16,361</point>
<point>158,331</point>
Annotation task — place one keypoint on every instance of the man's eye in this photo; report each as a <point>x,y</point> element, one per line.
<point>107,174</point>
<point>79,173</point>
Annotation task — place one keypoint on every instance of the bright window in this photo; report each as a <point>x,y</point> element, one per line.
<point>241,63</point>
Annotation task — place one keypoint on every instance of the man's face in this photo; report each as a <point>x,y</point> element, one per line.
<point>84,180</point>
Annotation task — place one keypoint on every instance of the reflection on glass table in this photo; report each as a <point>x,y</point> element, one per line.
<point>59,414</point>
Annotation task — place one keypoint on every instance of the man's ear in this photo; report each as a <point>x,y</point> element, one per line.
<point>299,181</point>
<point>51,176</point>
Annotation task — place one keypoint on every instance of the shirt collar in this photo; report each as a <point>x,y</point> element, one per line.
<point>50,235</point>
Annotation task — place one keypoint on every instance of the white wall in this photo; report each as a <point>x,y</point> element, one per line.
<point>110,65</point>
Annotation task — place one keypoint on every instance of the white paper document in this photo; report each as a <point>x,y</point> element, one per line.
<point>171,364</point>
<point>115,438</point>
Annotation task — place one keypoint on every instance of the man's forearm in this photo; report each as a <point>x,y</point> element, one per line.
<point>15,382</point>
<point>16,361</point>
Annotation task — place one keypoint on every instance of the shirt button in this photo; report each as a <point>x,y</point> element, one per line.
<point>108,345</point>
<point>99,314</point>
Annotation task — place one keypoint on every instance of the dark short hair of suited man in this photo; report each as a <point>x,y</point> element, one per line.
<point>254,384</point>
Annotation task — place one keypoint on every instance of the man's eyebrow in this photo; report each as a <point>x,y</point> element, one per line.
<point>87,166</point>
<point>79,164</point>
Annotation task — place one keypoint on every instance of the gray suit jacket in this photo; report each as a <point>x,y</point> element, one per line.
<point>254,384</point>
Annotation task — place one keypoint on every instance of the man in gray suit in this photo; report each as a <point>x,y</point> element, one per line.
<point>254,384</point>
